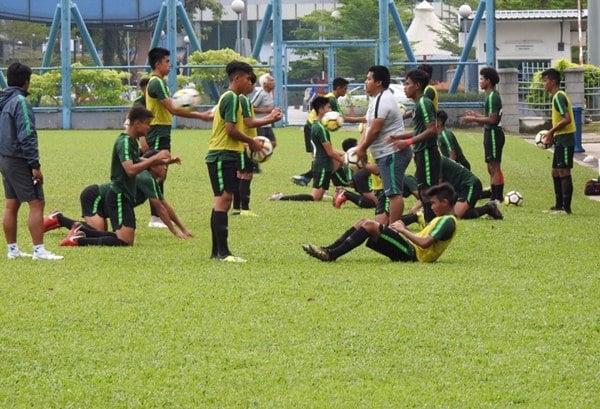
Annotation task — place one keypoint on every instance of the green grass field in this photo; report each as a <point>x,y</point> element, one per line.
<point>508,317</point>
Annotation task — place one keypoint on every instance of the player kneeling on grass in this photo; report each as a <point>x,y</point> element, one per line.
<point>120,196</point>
<point>396,241</point>
<point>93,230</point>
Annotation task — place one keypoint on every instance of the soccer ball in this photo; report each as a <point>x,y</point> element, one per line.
<point>539,139</point>
<point>351,160</point>
<point>262,155</point>
<point>332,120</point>
<point>513,198</point>
<point>186,98</point>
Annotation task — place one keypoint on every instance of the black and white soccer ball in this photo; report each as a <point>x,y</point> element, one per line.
<point>513,198</point>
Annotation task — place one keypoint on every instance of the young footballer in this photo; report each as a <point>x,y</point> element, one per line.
<point>493,135</point>
<point>562,135</point>
<point>447,142</point>
<point>396,241</point>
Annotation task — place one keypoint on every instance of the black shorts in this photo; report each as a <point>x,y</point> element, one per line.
<point>307,140</point>
<point>159,137</point>
<point>383,203</point>
<point>18,181</point>
<point>493,143</point>
<point>120,210</point>
<point>244,163</point>
<point>391,244</point>
<point>223,176</point>
<point>427,163</point>
<point>362,181</point>
<point>266,131</point>
<point>563,157</point>
<point>321,179</point>
<point>470,194</point>
<point>92,203</point>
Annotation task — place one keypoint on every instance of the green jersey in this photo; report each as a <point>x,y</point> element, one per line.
<point>493,104</point>
<point>221,146</point>
<point>147,188</point>
<point>125,149</point>
<point>320,135</point>
<point>447,143</point>
<point>423,114</point>
<point>455,174</point>
<point>561,105</point>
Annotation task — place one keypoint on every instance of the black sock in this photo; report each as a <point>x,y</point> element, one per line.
<point>476,212</point>
<point>497,192</point>
<point>236,194</point>
<point>307,175</point>
<point>353,197</point>
<point>409,218</point>
<point>558,193</point>
<point>65,221</point>
<point>566,183</point>
<point>244,194</point>
<point>214,251</point>
<point>340,239</point>
<point>298,198</point>
<point>351,242</point>
<point>486,194</point>
<point>219,225</point>
<point>101,241</point>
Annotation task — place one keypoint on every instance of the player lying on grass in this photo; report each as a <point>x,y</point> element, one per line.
<point>396,241</point>
<point>95,214</point>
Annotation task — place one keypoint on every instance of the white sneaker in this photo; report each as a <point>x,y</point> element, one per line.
<point>156,223</point>
<point>20,254</point>
<point>47,255</point>
<point>275,196</point>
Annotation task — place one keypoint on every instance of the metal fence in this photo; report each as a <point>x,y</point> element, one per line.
<point>591,90</point>
<point>533,100</point>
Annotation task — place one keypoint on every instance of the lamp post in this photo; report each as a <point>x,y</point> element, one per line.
<point>464,11</point>
<point>186,40</point>
<point>238,6</point>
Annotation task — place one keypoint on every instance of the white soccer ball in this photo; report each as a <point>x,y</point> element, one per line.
<point>351,159</point>
<point>539,139</point>
<point>332,120</point>
<point>262,155</point>
<point>513,198</point>
<point>186,98</point>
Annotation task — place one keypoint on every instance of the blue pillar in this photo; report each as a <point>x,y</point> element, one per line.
<point>52,37</point>
<point>490,33</point>
<point>402,34</point>
<point>384,34</point>
<point>65,56</point>
<point>278,54</point>
<point>264,25</point>
<point>578,118</point>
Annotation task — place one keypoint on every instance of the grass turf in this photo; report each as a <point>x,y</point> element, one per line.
<point>507,317</point>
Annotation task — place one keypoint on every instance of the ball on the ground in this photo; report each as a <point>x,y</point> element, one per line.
<point>352,160</point>
<point>539,139</point>
<point>513,198</point>
<point>186,98</point>
<point>332,120</point>
<point>262,155</point>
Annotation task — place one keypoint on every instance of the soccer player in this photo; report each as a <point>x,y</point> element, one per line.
<point>159,102</point>
<point>340,88</point>
<point>430,91</point>
<point>225,144</point>
<point>20,164</point>
<point>249,125</point>
<point>423,138</point>
<point>384,118</point>
<point>396,241</point>
<point>447,142</point>
<point>141,98</point>
<point>125,165</point>
<point>95,215</point>
<point>326,159</point>
<point>493,135</point>
<point>562,135</point>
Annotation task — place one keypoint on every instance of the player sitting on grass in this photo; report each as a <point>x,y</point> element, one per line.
<point>94,212</point>
<point>326,159</point>
<point>396,241</point>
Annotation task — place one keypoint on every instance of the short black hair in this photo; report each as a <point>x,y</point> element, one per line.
<point>427,68</point>
<point>17,74</point>
<point>419,77</point>
<point>553,74</point>
<point>319,102</point>
<point>381,73</point>
<point>144,81</point>
<point>139,113</point>
<point>349,143</point>
<point>491,74</point>
<point>156,55</point>
<point>253,77</point>
<point>443,191</point>
<point>340,82</point>
<point>235,67</point>
<point>442,116</point>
